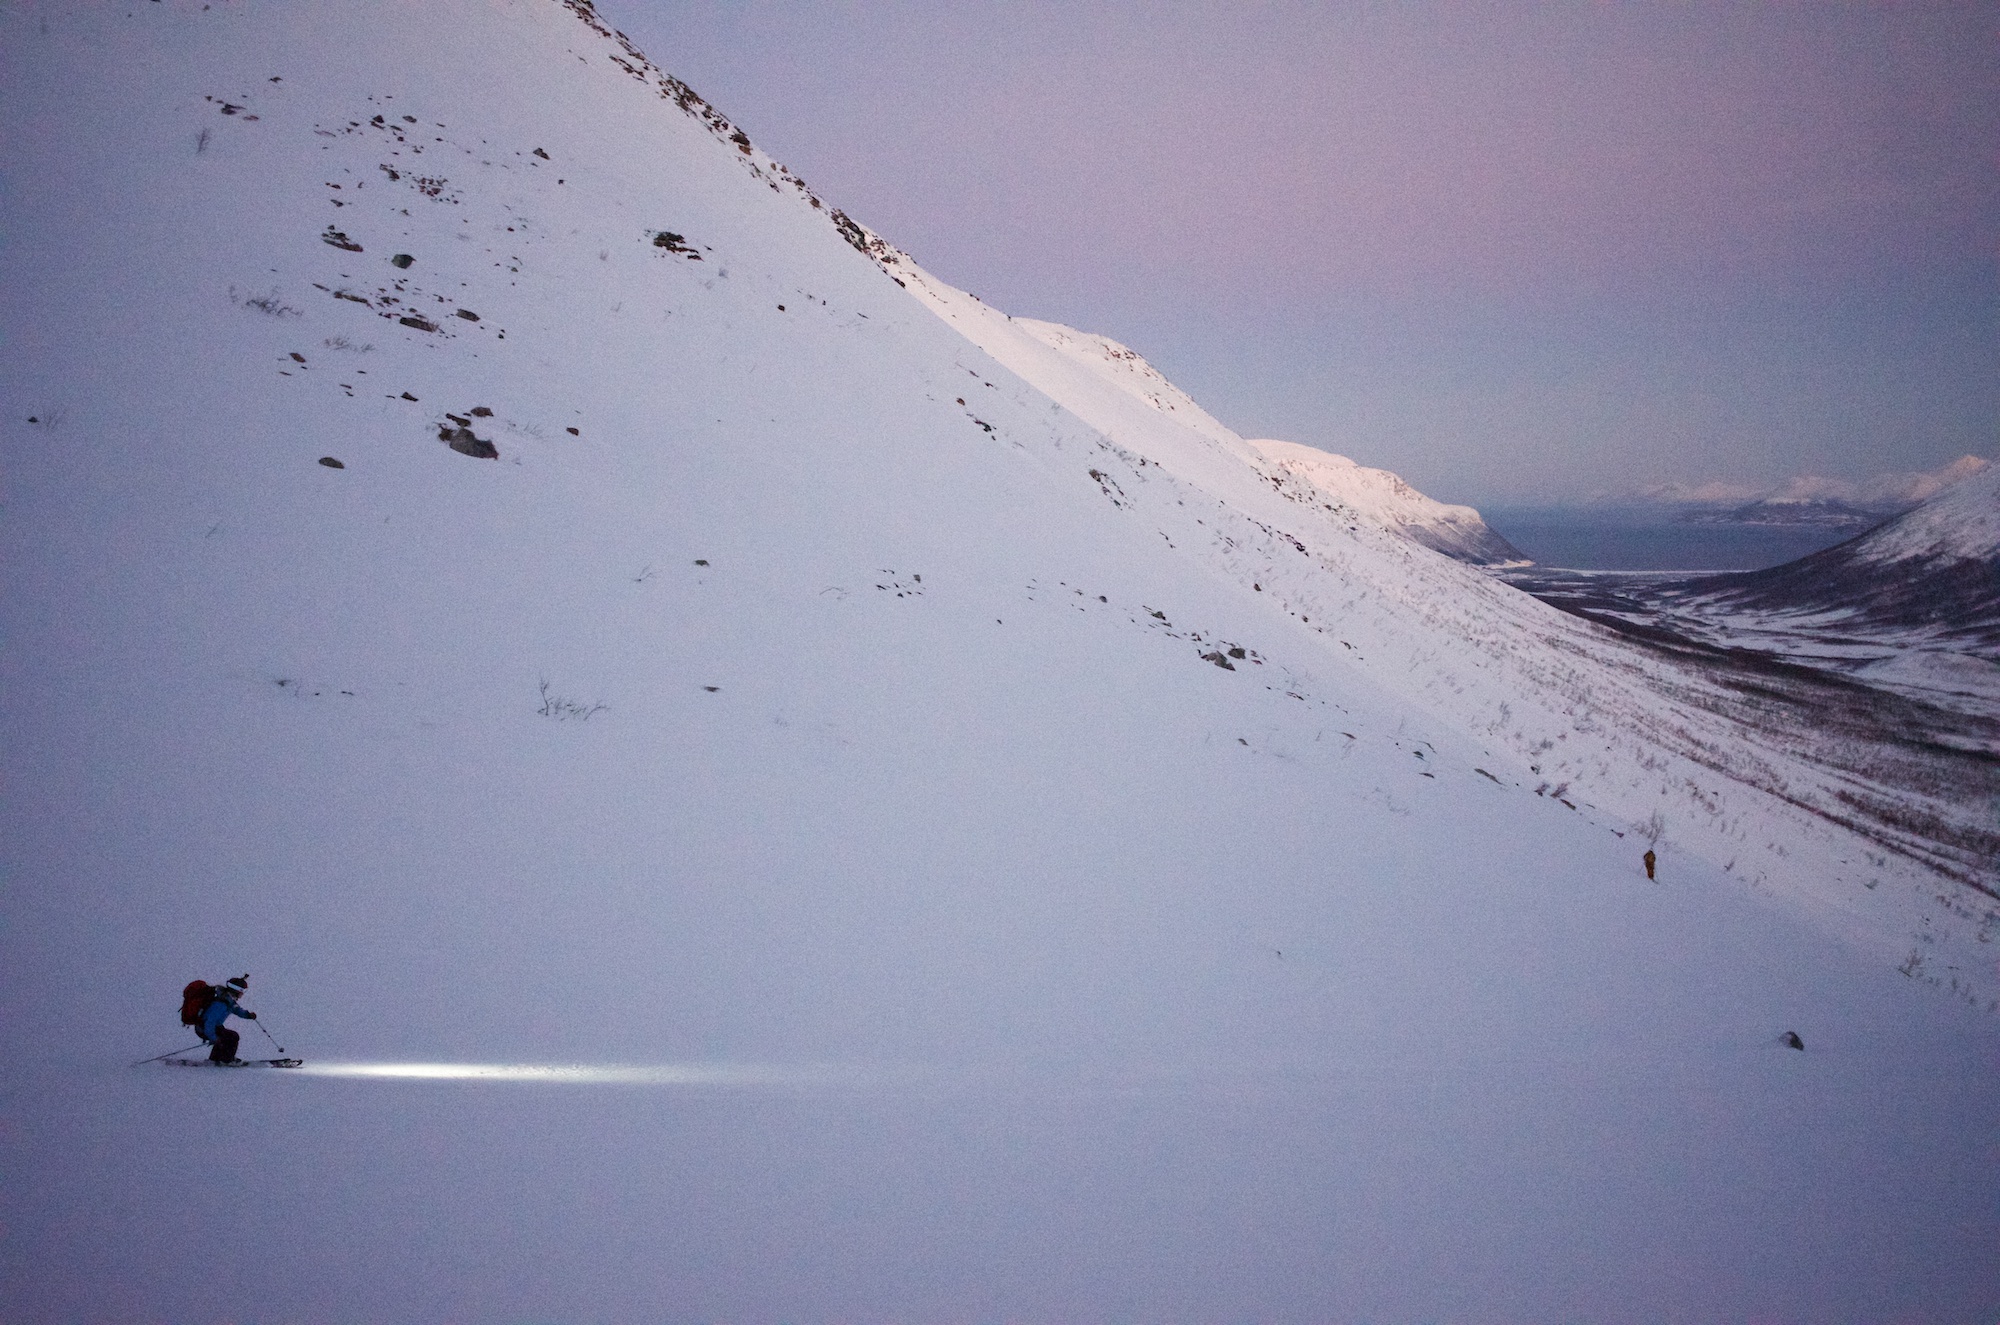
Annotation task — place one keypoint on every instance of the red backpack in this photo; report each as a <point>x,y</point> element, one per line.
<point>195,1000</point>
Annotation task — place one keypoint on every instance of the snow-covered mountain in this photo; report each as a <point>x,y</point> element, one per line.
<point>1958,524</point>
<point>495,554</point>
<point>1808,499</point>
<point>1927,579</point>
<point>1912,607</point>
<point>1383,497</point>
<point>1587,711</point>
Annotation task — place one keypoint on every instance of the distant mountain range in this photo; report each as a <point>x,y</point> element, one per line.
<point>1933,570</point>
<point>1912,606</point>
<point>1807,499</point>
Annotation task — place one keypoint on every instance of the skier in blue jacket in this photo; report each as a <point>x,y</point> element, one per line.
<point>221,1005</point>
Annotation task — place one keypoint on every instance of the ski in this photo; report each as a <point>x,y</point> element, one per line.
<point>241,1062</point>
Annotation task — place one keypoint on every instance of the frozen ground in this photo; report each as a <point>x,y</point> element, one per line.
<point>881,821</point>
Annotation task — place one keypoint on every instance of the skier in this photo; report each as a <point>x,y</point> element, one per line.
<point>221,1005</point>
<point>1650,860</point>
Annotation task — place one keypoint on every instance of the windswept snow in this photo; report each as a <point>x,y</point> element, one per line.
<point>763,788</point>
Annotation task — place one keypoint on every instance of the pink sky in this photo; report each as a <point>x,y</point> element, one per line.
<point>1508,250</point>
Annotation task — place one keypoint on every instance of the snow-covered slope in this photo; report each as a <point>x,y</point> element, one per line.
<point>1960,523</point>
<point>1383,497</point>
<point>1931,575</point>
<point>1736,762</point>
<point>490,552</point>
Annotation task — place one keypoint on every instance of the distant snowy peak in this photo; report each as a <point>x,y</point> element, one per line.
<point>1931,573</point>
<point>1960,523</point>
<point>1808,499</point>
<point>1387,500</point>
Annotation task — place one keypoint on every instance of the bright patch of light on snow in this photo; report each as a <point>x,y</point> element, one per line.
<point>662,1074</point>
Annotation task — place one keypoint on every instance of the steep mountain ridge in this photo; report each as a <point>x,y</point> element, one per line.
<point>1606,718</point>
<point>1457,531</point>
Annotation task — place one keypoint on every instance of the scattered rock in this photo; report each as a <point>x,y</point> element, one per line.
<point>572,432</point>
<point>408,396</point>
<point>402,260</point>
<point>1791,1040</point>
<point>1219,661</point>
<point>339,240</point>
<point>1236,651</point>
<point>331,463</point>
<point>701,561</point>
<point>480,412</point>
<point>421,324</point>
<point>468,315</point>
<point>540,153</point>
<point>459,419</point>
<point>462,441</point>
<point>297,357</point>
<point>711,689</point>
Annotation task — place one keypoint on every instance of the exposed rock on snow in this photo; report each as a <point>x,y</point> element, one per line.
<point>1385,499</point>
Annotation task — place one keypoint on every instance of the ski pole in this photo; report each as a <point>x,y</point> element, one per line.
<point>168,1054</point>
<point>267,1035</point>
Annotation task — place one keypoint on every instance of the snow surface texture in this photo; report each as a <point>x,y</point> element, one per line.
<point>757,801</point>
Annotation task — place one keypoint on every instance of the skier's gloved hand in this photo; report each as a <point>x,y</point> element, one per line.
<point>251,1015</point>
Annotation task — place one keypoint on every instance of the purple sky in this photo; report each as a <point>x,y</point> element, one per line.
<point>1513,253</point>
